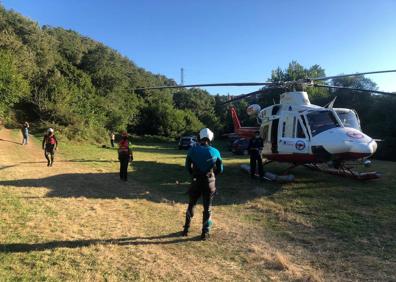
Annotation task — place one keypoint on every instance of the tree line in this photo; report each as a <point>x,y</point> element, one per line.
<point>56,77</point>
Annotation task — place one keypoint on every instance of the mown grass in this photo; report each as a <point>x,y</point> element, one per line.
<point>358,215</point>
<point>319,227</point>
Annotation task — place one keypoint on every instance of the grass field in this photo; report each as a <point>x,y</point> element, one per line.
<point>76,221</point>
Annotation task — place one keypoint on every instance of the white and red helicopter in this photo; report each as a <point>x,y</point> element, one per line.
<point>300,133</point>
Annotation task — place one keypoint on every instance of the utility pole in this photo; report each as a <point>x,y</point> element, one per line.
<point>181,76</point>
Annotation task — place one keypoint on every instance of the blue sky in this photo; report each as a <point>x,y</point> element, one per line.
<point>233,41</point>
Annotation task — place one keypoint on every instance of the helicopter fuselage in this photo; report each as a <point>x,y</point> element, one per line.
<point>296,131</point>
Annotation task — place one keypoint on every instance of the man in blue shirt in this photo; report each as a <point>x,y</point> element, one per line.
<point>203,162</point>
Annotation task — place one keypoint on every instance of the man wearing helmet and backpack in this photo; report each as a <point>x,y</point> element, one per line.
<point>203,162</point>
<point>124,155</point>
<point>50,144</point>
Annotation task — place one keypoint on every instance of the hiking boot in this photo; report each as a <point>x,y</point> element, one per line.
<point>205,236</point>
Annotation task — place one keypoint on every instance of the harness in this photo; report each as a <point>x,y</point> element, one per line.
<point>123,147</point>
<point>50,140</point>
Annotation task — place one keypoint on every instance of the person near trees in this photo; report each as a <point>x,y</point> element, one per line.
<point>112,139</point>
<point>25,133</point>
<point>50,145</point>
<point>124,155</point>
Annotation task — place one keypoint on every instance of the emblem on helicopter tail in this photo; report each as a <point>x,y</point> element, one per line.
<point>300,145</point>
<point>354,134</point>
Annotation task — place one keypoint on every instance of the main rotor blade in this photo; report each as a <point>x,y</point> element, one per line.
<point>349,75</point>
<point>355,89</point>
<point>261,91</point>
<point>240,97</point>
<point>209,85</point>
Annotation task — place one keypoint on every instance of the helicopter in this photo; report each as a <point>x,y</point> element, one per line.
<point>297,132</point>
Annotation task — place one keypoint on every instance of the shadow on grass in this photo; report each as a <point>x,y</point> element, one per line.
<point>9,141</point>
<point>7,166</point>
<point>173,238</point>
<point>155,148</point>
<point>160,150</point>
<point>74,161</point>
<point>153,181</point>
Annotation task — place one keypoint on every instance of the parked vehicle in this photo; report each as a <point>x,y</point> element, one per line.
<point>240,146</point>
<point>187,142</point>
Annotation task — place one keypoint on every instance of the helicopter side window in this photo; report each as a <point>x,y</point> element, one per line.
<point>274,136</point>
<point>320,121</point>
<point>304,125</point>
<point>294,126</point>
<point>300,131</point>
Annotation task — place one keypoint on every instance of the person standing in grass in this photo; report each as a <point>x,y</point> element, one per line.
<point>124,155</point>
<point>25,133</point>
<point>203,162</point>
<point>50,144</point>
<point>254,148</point>
<point>112,139</point>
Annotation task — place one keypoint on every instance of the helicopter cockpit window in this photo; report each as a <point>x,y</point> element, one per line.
<point>320,121</point>
<point>349,119</point>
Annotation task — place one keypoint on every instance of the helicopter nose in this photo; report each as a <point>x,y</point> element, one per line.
<point>346,143</point>
<point>363,148</point>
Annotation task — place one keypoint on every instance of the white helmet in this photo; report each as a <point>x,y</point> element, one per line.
<point>50,130</point>
<point>206,133</point>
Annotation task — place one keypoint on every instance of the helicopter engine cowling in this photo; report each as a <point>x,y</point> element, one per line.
<point>253,109</point>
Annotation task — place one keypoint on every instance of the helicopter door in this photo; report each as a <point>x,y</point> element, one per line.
<point>301,145</point>
<point>287,141</point>
<point>274,136</point>
<point>265,135</point>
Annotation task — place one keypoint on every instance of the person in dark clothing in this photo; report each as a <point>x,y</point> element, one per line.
<point>25,133</point>
<point>50,144</point>
<point>203,162</point>
<point>254,148</point>
<point>124,156</point>
<point>112,139</point>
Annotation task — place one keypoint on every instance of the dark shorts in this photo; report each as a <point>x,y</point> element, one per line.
<point>50,148</point>
<point>124,157</point>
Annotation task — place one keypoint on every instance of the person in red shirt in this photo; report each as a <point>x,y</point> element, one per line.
<point>50,144</point>
<point>124,155</point>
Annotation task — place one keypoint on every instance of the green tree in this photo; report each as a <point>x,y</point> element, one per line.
<point>201,103</point>
<point>13,86</point>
